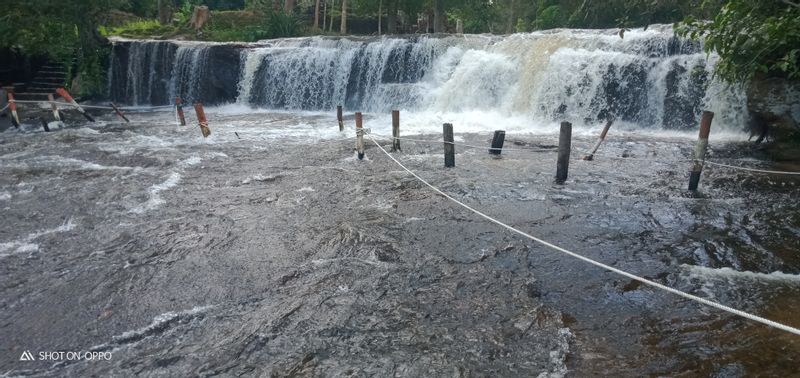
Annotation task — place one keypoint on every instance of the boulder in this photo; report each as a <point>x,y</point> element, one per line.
<point>773,105</point>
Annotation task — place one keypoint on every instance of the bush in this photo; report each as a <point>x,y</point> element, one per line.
<point>752,38</point>
<point>142,29</point>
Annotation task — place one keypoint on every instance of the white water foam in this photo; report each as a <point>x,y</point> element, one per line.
<point>705,273</point>
<point>24,245</point>
<point>159,323</point>
<point>155,199</point>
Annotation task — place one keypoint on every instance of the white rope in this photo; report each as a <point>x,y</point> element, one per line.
<point>5,107</point>
<point>695,298</point>
<point>466,145</point>
<point>752,169</point>
<point>62,103</point>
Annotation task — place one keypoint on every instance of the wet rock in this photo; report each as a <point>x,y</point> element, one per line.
<point>774,107</point>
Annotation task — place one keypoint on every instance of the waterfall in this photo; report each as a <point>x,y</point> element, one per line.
<point>648,79</point>
<point>188,72</point>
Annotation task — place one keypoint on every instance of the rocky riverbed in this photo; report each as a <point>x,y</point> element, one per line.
<point>269,249</point>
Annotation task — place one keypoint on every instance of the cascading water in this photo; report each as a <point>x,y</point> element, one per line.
<point>155,72</point>
<point>188,71</point>
<point>648,79</point>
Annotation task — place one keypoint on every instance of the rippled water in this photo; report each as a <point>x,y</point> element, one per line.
<point>278,252</point>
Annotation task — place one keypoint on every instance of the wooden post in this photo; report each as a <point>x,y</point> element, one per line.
<point>497,142</point>
<point>201,118</point>
<point>54,107</point>
<point>45,126</point>
<point>395,130</point>
<point>12,105</point>
<point>449,147</point>
<point>590,155</point>
<point>359,136</point>
<point>63,93</point>
<point>700,150</point>
<point>339,117</point>
<point>119,113</point>
<point>179,109</point>
<point>564,146</point>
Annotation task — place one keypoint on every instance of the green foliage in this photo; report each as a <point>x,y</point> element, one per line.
<point>551,17</point>
<point>752,38</point>
<point>141,29</point>
<point>521,26</point>
<point>281,24</point>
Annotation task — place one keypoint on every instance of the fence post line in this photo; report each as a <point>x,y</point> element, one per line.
<point>119,113</point>
<point>395,130</point>
<point>700,149</point>
<point>590,155</point>
<point>564,147</point>
<point>12,105</point>
<point>339,117</point>
<point>63,93</point>
<point>179,109</point>
<point>359,136</point>
<point>201,118</point>
<point>449,146</point>
<point>497,142</point>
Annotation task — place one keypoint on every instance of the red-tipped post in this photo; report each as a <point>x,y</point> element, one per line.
<point>63,93</point>
<point>179,110</point>
<point>12,105</point>
<point>201,118</point>
<point>54,107</point>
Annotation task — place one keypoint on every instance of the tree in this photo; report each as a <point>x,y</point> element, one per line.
<point>752,38</point>
<point>343,25</point>
<point>61,30</point>
<point>316,15</point>
<point>391,16</point>
<point>438,16</point>
<point>164,12</point>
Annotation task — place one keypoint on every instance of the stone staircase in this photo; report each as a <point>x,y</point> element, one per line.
<point>46,80</point>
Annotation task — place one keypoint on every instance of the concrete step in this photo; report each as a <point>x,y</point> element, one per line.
<point>31,96</point>
<point>46,83</point>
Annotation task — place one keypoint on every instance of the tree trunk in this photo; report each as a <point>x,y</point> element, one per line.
<point>380,15</point>
<point>512,19</point>
<point>343,26</point>
<point>438,16</point>
<point>333,7</point>
<point>391,17</point>
<point>325,15</point>
<point>200,16</point>
<point>164,12</point>
<point>288,6</point>
<point>316,15</point>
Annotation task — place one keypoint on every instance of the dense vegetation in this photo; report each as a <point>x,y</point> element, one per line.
<point>752,37</point>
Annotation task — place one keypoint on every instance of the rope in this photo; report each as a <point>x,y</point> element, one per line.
<point>94,106</point>
<point>753,169</point>
<point>695,298</point>
<point>466,145</point>
<point>5,107</point>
